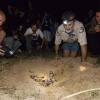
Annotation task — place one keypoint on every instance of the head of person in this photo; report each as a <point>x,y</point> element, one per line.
<point>2,17</point>
<point>68,19</point>
<point>97,16</point>
<point>34,26</point>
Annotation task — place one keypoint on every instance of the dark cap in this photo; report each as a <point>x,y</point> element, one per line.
<point>68,15</point>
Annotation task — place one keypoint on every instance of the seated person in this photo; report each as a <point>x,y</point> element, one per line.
<point>12,42</point>
<point>7,44</point>
<point>2,32</point>
<point>34,37</point>
<point>93,34</point>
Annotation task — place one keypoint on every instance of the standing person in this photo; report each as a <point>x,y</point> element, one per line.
<point>46,28</point>
<point>72,33</point>
<point>93,35</point>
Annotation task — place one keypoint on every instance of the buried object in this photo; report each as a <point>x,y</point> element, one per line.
<point>44,81</point>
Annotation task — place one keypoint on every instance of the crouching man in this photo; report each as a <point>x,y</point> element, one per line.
<point>71,33</point>
<point>34,38</point>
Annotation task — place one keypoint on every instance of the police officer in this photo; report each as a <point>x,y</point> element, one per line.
<point>72,34</point>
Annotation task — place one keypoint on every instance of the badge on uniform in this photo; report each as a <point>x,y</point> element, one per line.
<point>81,29</point>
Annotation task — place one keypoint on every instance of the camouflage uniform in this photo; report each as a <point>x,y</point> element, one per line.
<point>78,34</point>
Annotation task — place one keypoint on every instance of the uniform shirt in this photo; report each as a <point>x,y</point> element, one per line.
<point>30,32</point>
<point>78,34</point>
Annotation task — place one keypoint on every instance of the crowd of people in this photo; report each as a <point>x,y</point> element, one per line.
<point>70,35</point>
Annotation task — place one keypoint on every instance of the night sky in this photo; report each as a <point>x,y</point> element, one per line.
<point>53,4</point>
<point>55,7</point>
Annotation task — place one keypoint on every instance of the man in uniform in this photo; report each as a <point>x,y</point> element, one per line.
<point>73,36</point>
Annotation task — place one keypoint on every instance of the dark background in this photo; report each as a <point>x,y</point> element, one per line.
<point>55,7</point>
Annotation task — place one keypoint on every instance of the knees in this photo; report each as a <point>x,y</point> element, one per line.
<point>70,49</point>
<point>69,53</point>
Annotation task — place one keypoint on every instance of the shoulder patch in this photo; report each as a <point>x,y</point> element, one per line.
<point>81,29</point>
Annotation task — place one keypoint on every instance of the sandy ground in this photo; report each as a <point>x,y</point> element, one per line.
<point>72,81</point>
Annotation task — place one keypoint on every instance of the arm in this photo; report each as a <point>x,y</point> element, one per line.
<point>43,41</point>
<point>56,49</point>
<point>84,53</point>
<point>57,42</point>
<point>2,36</point>
<point>2,52</point>
<point>28,32</point>
<point>97,28</point>
<point>84,57</point>
<point>83,42</point>
<point>93,27</point>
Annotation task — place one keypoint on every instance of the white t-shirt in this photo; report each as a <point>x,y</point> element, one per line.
<point>30,32</point>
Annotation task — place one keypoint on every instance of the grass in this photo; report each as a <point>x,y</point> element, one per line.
<point>46,54</point>
<point>42,53</point>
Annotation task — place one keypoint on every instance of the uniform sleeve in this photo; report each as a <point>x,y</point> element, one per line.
<point>82,35</point>
<point>57,38</point>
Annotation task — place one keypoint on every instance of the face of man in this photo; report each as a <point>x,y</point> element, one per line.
<point>68,26</point>
<point>34,28</point>
<point>98,17</point>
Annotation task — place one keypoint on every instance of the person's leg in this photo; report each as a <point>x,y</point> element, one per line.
<point>66,49</point>
<point>47,35</point>
<point>73,54</point>
<point>16,45</point>
<point>23,42</point>
<point>93,43</point>
<point>9,42</point>
<point>74,49</point>
<point>66,53</point>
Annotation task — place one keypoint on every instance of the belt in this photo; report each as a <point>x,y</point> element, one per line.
<point>70,42</point>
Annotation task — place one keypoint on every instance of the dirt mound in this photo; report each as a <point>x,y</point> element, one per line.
<point>60,78</point>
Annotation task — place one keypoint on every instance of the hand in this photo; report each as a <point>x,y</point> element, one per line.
<point>57,57</point>
<point>97,29</point>
<point>86,64</point>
